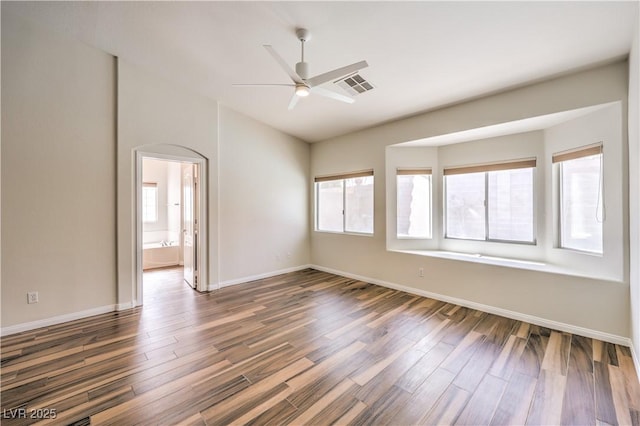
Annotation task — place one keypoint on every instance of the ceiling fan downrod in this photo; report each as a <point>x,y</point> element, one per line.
<point>302,68</point>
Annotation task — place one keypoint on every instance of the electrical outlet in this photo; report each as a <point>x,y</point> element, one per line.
<point>421,272</point>
<point>32,297</point>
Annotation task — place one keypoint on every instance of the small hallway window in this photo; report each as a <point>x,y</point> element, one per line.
<point>149,202</point>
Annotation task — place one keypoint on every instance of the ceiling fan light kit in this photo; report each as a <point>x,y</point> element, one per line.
<point>302,90</point>
<point>300,77</point>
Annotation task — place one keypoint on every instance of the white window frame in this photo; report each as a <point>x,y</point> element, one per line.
<point>153,185</point>
<point>557,160</point>
<point>343,178</point>
<point>486,168</point>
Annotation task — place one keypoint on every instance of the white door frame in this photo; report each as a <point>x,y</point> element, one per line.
<point>203,240</point>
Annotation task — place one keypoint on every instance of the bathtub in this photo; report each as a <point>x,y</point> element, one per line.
<point>158,255</point>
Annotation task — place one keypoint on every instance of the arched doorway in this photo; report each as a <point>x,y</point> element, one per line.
<point>191,239</point>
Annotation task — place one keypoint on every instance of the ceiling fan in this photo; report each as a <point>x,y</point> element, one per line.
<point>300,77</point>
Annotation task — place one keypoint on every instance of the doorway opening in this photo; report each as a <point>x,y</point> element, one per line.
<point>171,237</point>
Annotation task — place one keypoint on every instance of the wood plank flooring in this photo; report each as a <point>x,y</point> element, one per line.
<point>310,348</point>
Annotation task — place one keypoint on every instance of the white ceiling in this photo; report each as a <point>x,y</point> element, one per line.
<point>421,55</point>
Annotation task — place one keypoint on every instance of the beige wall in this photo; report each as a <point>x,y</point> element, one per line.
<point>264,177</point>
<point>157,116</point>
<point>60,148</point>
<point>58,151</point>
<point>554,298</point>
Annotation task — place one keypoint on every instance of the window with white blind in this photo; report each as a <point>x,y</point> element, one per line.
<point>344,203</point>
<point>581,212</point>
<point>491,202</point>
<point>413,205</point>
<point>149,202</point>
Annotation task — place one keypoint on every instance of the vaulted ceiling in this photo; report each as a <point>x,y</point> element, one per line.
<point>421,55</point>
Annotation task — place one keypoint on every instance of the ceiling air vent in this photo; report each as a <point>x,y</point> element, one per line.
<point>354,84</point>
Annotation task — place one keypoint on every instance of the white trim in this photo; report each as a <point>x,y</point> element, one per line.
<point>32,325</point>
<point>636,361</point>
<point>543,322</point>
<point>531,265</point>
<point>243,280</point>
<point>125,306</point>
<point>203,213</point>
<point>214,280</point>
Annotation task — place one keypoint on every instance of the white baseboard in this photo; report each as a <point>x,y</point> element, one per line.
<point>543,322</point>
<point>634,356</point>
<point>32,325</point>
<point>242,280</point>
<point>125,306</point>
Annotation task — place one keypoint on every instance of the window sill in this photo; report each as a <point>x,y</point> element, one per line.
<point>357,234</point>
<point>507,262</point>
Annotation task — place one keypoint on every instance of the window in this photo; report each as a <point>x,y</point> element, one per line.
<point>511,205</point>
<point>465,212</point>
<point>344,203</point>
<point>580,189</point>
<point>149,202</point>
<point>413,195</point>
<point>492,202</point>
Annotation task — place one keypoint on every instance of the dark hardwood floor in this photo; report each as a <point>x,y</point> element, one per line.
<point>310,348</point>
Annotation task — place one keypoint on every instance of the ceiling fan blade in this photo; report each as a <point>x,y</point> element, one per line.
<point>294,76</point>
<point>293,101</point>
<point>333,95</point>
<point>335,74</point>
<point>264,84</point>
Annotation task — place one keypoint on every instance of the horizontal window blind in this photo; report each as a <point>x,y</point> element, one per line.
<point>344,176</point>
<point>411,172</point>
<point>149,184</point>
<point>572,154</point>
<point>492,167</point>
